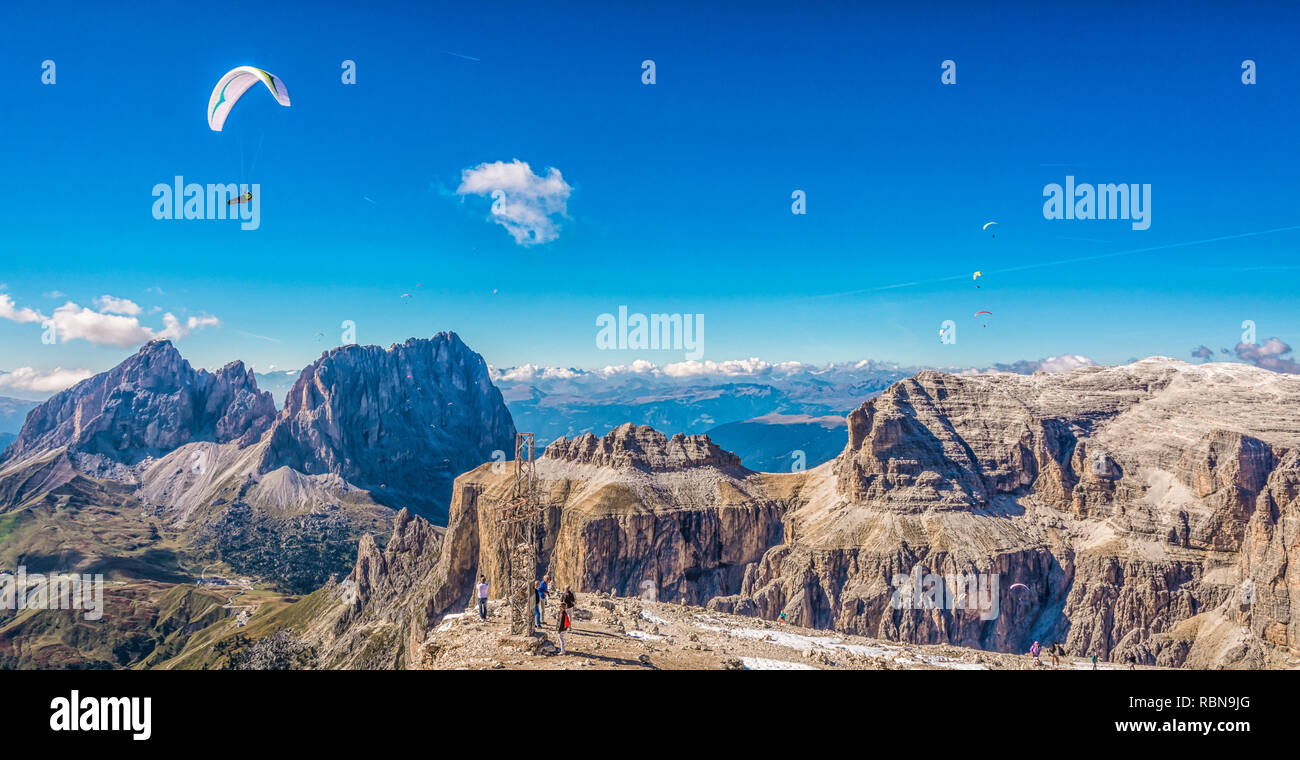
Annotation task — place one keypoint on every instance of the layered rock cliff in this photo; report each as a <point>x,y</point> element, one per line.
<point>1147,510</point>
<point>1127,500</point>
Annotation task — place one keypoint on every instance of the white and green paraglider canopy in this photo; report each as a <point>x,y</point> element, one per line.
<point>231,87</point>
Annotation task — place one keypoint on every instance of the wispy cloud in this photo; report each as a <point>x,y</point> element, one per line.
<point>1059,262</point>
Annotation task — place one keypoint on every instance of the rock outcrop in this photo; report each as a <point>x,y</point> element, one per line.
<point>369,616</point>
<point>402,422</point>
<point>642,447</point>
<point>634,512</point>
<point>146,406</point>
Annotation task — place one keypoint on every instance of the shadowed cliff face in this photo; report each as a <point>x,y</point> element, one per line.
<point>401,422</point>
<point>148,405</point>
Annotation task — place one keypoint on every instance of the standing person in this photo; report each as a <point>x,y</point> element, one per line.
<point>543,591</point>
<point>536,601</point>
<point>568,599</point>
<point>1094,662</point>
<point>1035,650</point>
<point>482,597</point>
<point>1052,650</point>
<point>562,622</point>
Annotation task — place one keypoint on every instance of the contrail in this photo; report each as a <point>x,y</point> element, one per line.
<point>1073,260</point>
<point>466,57</point>
<point>255,335</point>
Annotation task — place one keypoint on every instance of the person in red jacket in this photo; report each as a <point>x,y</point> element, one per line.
<point>562,623</point>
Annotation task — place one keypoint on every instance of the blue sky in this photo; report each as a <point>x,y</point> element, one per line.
<point>680,191</point>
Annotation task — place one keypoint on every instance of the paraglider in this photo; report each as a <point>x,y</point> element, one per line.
<point>984,312</point>
<point>232,86</point>
<point>1021,585</point>
<point>976,276</point>
<point>989,224</point>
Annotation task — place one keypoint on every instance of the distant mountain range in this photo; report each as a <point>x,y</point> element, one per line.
<point>12,413</point>
<point>782,442</point>
<point>763,412</point>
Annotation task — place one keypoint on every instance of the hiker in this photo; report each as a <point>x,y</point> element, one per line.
<point>567,599</point>
<point>1053,650</point>
<point>543,590</point>
<point>1131,660</point>
<point>536,601</point>
<point>562,623</point>
<point>1094,662</point>
<point>482,597</point>
<point>1035,650</point>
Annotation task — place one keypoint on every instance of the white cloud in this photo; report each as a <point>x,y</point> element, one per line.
<point>115,324</point>
<point>1065,363</point>
<point>174,329</point>
<point>735,367</point>
<point>35,381</point>
<point>10,312</point>
<point>73,322</point>
<point>523,202</point>
<point>113,305</point>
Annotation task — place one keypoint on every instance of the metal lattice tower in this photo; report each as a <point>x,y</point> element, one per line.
<point>518,519</point>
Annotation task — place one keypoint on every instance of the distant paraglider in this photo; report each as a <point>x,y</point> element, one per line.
<point>232,86</point>
<point>989,224</point>
<point>976,276</point>
<point>989,313</point>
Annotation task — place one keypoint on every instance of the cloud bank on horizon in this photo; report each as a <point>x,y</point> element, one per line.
<point>756,368</point>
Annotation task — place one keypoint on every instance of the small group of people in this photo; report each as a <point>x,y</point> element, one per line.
<point>541,592</point>
<point>1055,650</point>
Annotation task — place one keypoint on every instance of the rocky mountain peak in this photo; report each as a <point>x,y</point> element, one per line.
<point>401,422</point>
<point>642,447</point>
<point>151,403</point>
